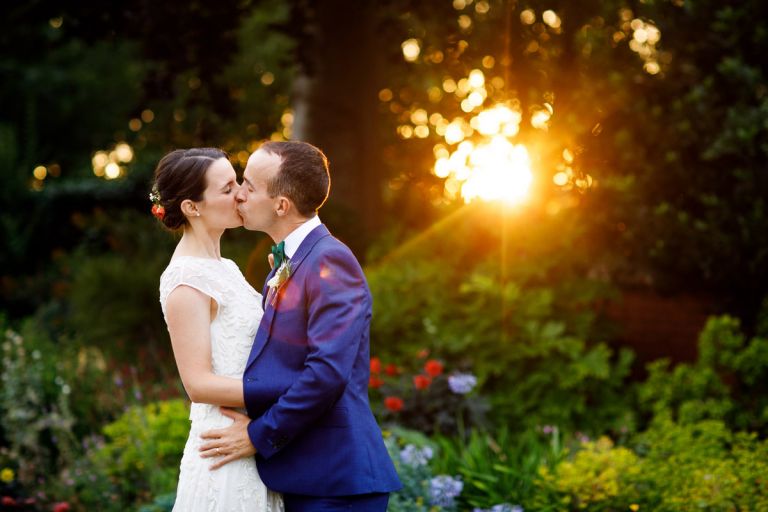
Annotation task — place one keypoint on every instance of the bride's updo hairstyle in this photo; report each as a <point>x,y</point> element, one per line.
<point>180,175</point>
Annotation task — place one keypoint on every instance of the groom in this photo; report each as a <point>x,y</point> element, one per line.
<point>309,422</point>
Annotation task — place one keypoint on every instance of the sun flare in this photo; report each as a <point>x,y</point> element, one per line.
<point>488,167</point>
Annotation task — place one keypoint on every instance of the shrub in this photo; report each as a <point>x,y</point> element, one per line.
<point>728,381</point>
<point>520,312</point>
<point>425,397</point>
<point>668,468</point>
<point>499,468</point>
<point>142,451</point>
<point>702,466</point>
<point>36,419</point>
<point>599,477</point>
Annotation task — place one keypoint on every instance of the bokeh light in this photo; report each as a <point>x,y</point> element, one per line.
<point>411,49</point>
<point>111,164</point>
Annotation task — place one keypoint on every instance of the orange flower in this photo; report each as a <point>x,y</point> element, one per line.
<point>393,403</point>
<point>421,381</point>
<point>375,365</point>
<point>422,354</point>
<point>391,370</point>
<point>375,382</point>
<point>433,368</point>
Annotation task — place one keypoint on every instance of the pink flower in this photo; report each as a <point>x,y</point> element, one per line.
<point>61,506</point>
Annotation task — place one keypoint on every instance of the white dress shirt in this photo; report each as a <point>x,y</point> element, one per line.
<point>293,240</point>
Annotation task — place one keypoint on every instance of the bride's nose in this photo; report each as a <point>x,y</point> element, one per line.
<point>240,194</point>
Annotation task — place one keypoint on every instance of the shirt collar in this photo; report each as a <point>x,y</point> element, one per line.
<point>293,240</point>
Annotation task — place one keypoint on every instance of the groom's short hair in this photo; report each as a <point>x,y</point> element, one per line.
<point>303,176</point>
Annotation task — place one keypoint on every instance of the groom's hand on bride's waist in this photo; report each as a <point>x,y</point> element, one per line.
<point>228,444</point>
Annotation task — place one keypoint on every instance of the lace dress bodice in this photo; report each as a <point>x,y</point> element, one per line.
<point>236,486</point>
<point>239,307</point>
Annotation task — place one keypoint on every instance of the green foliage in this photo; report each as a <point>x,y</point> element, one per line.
<point>518,312</point>
<point>55,396</point>
<point>502,467</point>
<point>135,246</point>
<point>727,382</point>
<point>36,417</point>
<point>702,466</point>
<point>673,467</point>
<point>599,477</point>
<point>162,503</point>
<point>141,455</point>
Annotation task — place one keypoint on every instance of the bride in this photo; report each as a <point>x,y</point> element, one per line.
<point>212,315</point>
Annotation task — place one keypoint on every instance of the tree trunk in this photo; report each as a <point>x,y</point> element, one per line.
<point>335,106</point>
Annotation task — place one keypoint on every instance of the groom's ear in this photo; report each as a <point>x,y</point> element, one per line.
<point>284,206</point>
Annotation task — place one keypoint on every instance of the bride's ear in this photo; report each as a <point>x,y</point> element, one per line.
<point>189,208</point>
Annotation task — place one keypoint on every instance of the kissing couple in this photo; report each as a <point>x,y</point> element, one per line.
<point>295,357</point>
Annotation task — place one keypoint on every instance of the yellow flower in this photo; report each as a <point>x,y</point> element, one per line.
<point>634,507</point>
<point>7,475</point>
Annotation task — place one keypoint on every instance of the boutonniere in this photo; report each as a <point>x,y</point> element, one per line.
<point>278,280</point>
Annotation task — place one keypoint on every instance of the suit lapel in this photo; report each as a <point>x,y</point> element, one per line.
<point>265,327</point>
<point>265,289</point>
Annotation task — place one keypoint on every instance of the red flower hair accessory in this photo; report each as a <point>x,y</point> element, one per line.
<point>157,209</point>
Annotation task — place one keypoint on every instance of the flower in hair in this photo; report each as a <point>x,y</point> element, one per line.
<point>157,209</point>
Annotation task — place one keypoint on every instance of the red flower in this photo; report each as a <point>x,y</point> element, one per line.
<point>422,354</point>
<point>375,382</point>
<point>392,370</point>
<point>8,501</point>
<point>394,403</point>
<point>433,368</point>
<point>61,506</point>
<point>375,365</point>
<point>421,381</point>
<point>159,212</point>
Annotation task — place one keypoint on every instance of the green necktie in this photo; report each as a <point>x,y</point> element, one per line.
<point>278,251</point>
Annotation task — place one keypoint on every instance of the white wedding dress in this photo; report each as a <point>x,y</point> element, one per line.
<point>235,487</point>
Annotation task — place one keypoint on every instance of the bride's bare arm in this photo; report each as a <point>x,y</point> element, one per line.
<point>188,312</point>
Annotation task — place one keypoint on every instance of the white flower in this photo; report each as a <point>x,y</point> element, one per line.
<point>281,276</point>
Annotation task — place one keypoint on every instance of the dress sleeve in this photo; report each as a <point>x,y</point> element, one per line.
<point>195,274</point>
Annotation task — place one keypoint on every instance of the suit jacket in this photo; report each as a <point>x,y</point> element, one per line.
<point>306,380</point>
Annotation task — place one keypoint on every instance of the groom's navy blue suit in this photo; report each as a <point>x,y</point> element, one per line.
<point>306,384</point>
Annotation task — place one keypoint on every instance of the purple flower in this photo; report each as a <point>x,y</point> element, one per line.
<point>444,489</point>
<point>462,383</point>
<point>414,456</point>
<point>501,507</point>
